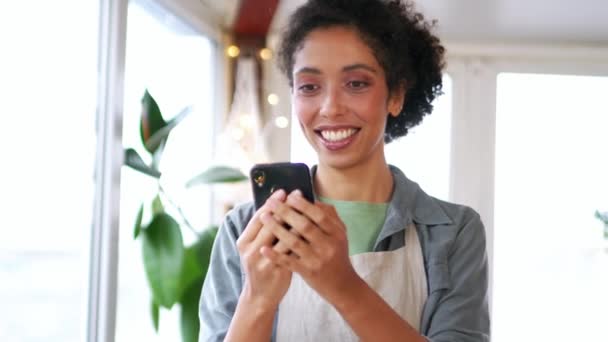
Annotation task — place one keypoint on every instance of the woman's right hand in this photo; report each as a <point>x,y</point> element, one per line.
<point>266,283</point>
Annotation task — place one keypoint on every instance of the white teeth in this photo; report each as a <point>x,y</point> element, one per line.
<point>338,135</point>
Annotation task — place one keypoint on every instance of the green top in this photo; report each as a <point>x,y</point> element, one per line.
<point>363,221</point>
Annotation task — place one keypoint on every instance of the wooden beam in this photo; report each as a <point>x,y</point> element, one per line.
<point>254,18</point>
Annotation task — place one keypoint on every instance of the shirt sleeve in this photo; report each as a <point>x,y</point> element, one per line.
<point>223,285</point>
<point>462,313</point>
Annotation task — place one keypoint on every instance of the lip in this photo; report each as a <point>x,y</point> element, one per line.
<point>336,145</point>
<point>334,127</point>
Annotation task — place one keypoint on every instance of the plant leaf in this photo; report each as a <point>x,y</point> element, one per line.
<point>191,270</point>
<point>602,216</point>
<point>163,252</point>
<point>134,161</point>
<point>155,312</point>
<point>157,206</point>
<point>137,228</point>
<point>157,155</point>
<point>203,248</point>
<point>201,251</point>
<point>151,120</point>
<point>196,258</point>
<point>217,174</point>
<point>159,137</point>
<point>189,321</point>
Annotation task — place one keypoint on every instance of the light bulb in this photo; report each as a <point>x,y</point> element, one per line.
<point>281,121</point>
<point>233,51</point>
<point>246,121</point>
<point>273,99</point>
<point>266,54</point>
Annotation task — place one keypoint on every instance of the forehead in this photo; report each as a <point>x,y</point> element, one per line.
<point>333,48</point>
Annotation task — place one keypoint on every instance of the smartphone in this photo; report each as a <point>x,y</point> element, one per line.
<point>267,178</point>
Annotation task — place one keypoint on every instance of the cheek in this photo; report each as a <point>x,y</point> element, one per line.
<point>371,108</point>
<point>304,110</point>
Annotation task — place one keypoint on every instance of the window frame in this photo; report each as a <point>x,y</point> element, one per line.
<point>474,69</point>
<point>104,244</point>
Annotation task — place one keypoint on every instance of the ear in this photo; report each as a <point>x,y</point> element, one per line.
<point>396,99</point>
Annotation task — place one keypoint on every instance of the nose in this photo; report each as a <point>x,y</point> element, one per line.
<point>332,104</point>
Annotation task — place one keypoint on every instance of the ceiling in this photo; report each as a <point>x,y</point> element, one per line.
<point>582,22</point>
<point>224,11</point>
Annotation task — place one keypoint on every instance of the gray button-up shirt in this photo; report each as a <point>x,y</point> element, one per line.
<point>453,244</point>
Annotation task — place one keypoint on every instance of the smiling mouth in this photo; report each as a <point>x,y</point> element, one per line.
<point>336,135</point>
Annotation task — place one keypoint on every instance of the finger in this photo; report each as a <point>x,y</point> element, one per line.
<point>299,222</point>
<point>281,247</point>
<point>290,240</point>
<point>253,227</point>
<point>331,213</point>
<point>278,195</point>
<point>290,262</point>
<point>265,236</point>
<point>321,214</point>
<point>303,266</point>
<point>263,264</point>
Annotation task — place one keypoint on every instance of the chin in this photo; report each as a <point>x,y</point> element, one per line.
<point>339,162</point>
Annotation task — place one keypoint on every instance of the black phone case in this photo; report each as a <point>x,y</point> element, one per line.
<point>267,178</point>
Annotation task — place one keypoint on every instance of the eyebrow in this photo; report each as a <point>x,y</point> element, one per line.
<point>310,70</point>
<point>360,66</point>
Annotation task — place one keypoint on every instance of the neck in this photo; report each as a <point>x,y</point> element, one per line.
<point>364,183</point>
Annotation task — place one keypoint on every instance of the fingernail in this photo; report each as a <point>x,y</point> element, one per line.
<point>297,192</point>
<point>278,194</point>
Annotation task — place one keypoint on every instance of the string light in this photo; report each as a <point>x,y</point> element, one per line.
<point>273,99</point>
<point>246,121</point>
<point>266,54</point>
<point>233,51</point>
<point>281,121</point>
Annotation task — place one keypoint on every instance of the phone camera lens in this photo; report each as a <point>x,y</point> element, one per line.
<point>259,178</point>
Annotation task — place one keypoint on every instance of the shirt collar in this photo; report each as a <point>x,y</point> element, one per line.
<point>409,203</point>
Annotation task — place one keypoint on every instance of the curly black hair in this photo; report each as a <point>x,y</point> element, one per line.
<point>402,42</point>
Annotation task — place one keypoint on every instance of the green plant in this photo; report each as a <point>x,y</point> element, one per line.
<point>175,272</point>
<point>604,218</point>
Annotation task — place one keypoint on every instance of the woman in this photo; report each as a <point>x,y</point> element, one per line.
<point>375,258</point>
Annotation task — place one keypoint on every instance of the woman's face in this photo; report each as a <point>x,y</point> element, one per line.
<point>341,98</point>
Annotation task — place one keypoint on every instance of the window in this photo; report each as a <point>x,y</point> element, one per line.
<point>176,64</point>
<point>48,84</point>
<point>424,154</point>
<point>550,259</point>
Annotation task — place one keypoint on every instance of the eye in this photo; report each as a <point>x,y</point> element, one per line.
<point>357,85</point>
<point>308,88</point>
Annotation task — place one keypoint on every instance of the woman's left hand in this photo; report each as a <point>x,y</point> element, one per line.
<point>318,244</point>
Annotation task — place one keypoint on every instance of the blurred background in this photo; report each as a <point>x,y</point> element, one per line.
<point>520,134</point>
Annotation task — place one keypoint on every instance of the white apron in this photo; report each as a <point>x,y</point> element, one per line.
<point>397,276</point>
